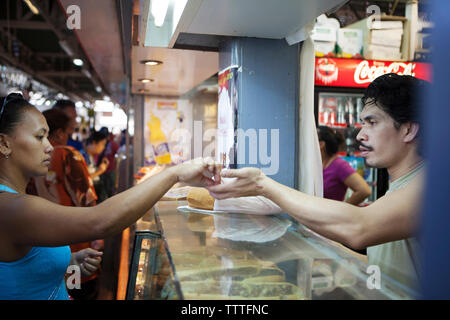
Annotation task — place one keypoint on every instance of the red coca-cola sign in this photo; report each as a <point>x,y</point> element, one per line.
<point>360,73</point>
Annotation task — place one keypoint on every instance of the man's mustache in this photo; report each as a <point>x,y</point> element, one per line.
<point>365,147</point>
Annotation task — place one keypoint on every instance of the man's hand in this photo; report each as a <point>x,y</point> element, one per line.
<point>198,172</point>
<point>88,260</point>
<point>248,182</point>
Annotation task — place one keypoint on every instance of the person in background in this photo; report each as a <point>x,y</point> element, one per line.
<point>35,233</point>
<point>68,107</point>
<point>94,146</point>
<point>68,183</point>
<point>108,178</point>
<point>389,138</point>
<point>338,175</point>
<point>122,139</point>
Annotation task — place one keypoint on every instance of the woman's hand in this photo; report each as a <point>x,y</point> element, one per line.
<point>98,244</point>
<point>88,260</point>
<point>198,172</point>
<point>248,182</point>
<point>103,165</point>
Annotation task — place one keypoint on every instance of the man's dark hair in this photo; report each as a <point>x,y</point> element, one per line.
<point>56,119</point>
<point>62,104</point>
<point>396,95</point>
<point>333,139</point>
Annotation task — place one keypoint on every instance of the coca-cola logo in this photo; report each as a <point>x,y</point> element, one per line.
<point>326,70</point>
<point>365,73</point>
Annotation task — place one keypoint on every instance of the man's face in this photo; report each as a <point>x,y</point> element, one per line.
<point>72,114</point>
<point>381,143</point>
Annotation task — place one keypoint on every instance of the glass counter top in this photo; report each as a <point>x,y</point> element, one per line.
<point>241,256</point>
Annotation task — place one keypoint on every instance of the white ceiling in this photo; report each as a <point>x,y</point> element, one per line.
<point>183,70</point>
<point>273,19</point>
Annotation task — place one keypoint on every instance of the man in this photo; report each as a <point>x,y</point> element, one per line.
<point>389,139</point>
<point>68,107</point>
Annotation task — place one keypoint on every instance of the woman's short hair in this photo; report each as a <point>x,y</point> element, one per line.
<point>96,136</point>
<point>13,111</point>
<point>56,119</point>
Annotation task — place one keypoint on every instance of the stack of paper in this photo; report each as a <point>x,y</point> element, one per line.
<point>385,40</point>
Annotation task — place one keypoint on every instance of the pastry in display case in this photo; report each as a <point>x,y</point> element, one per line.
<point>238,290</point>
<point>219,277</point>
<point>185,261</point>
<point>141,283</point>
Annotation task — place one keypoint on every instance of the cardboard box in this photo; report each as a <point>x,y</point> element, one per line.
<point>324,38</point>
<point>376,52</point>
<point>324,33</point>
<point>387,37</point>
<point>324,49</point>
<point>385,24</point>
<point>381,37</point>
<point>349,43</point>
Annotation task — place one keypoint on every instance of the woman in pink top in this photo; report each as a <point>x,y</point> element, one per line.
<point>338,175</point>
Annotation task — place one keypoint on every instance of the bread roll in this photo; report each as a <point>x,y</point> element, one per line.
<point>241,290</point>
<point>200,198</point>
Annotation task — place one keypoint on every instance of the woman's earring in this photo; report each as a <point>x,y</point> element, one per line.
<point>6,157</point>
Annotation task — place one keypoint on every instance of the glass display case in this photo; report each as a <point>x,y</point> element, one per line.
<point>195,256</point>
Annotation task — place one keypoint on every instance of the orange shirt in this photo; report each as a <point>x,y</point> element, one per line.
<point>68,183</point>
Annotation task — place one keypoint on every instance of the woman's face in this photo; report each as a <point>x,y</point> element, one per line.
<point>29,147</point>
<point>95,148</point>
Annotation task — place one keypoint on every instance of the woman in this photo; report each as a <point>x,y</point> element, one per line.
<point>34,232</point>
<point>95,145</point>
<point>68,183</point>
<point>338,175</point>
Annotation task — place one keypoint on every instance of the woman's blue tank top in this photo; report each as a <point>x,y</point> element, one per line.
<point>40,275</point>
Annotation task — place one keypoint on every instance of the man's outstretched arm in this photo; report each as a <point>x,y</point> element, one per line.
<point>390,218</point>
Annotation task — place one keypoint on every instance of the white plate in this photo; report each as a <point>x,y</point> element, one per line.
<point>190,209</point>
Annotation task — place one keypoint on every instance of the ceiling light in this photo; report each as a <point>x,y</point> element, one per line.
<point>151,62</point>
<point>31,6</point>
<point>79,104</point>
<point>146,80</point>
<point>65,46</point>
<point>87,73</point>
<point>159,10</point>
<point>78,62</point>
